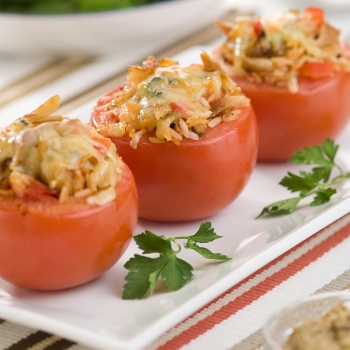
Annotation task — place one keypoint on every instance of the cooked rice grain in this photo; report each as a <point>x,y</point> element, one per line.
<point>214,122</point>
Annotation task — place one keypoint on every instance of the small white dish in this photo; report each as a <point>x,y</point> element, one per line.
<point>105,31</point>
<point>280,325</point>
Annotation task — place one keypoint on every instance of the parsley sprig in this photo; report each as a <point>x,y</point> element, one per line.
<point>315,183</point>
<point>144,271</point>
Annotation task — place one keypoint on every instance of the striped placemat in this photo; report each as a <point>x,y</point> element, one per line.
<point>234,320</point>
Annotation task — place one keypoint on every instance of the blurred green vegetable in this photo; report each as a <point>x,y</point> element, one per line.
<point>66,6</point>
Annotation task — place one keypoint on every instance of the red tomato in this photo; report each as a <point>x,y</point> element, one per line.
<point>46,245</point>
<point>102,145</point>
<point>195,179</point>
<point>317,70</point>
<point>257,26</point>
<point>287,122</point>
<point>37,190</point>
<point>315,14</point>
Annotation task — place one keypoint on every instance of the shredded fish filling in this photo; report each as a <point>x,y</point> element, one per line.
<point>274,50</point>
<point>171,102</point>
<point>51,156</point>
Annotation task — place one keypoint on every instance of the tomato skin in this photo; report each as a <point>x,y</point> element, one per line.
<point>315,14</point>
<point>317,70</point>
<point>197,178</point>
<point>287,122</point>
<point>51,247</point>
<point>258,26</point>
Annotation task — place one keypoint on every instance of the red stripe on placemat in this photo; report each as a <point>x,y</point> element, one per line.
<point>257,291</point>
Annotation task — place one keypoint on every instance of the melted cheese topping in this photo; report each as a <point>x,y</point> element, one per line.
<point>50,156</point>
<point>172,101</point>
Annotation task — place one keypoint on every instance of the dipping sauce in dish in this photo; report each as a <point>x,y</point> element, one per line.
<point>329,332</point>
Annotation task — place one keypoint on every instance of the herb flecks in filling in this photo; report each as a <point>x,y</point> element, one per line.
<point>171,102</point>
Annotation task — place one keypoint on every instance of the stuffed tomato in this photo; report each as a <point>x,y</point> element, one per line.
<point>296,71</point>
<point>68,204</point>
<point>187,133</point>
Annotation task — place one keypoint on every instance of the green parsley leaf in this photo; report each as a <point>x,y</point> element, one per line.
<point>206,253</point>
<point>205,234</point>
<point>322,173</point>
<point>153,277</point>
<point>176,273</point>
<point>282,207</point>
<point>144,272</point>
<point>303,183</point>
<point>151,243</point>
<point>322,155</point>
<point>323,196</point>
<point>316,183</point>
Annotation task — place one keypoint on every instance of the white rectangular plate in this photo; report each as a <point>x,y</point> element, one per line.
<point>95,315</point>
